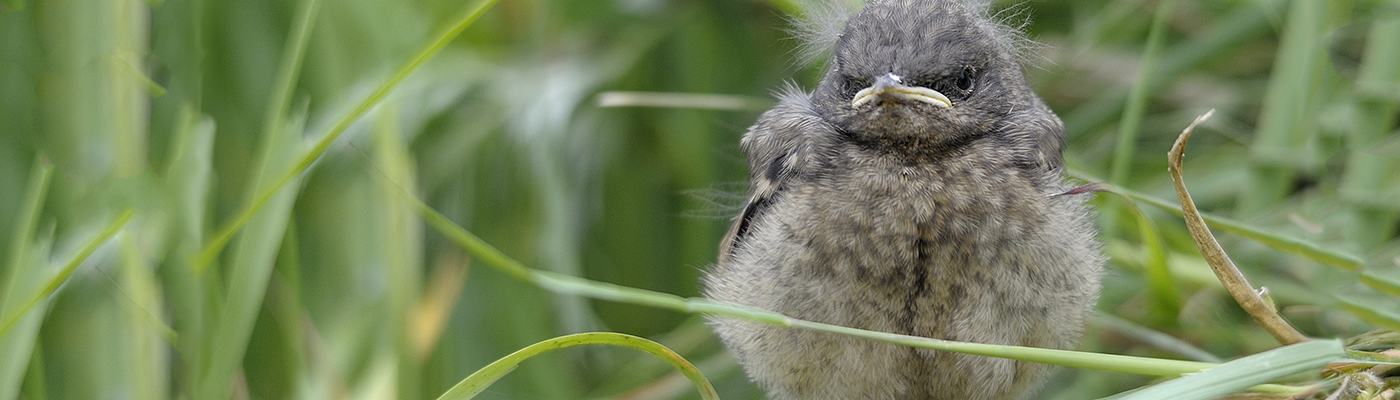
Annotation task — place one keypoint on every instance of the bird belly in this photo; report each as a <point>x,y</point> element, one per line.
<point>896,253</point>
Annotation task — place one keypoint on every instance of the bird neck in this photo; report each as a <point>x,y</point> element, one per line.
<point>917,148</point>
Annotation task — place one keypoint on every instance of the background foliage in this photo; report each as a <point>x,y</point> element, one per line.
<point>185,110</point>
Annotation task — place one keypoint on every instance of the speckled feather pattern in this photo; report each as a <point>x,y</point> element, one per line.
<point>902,218</point>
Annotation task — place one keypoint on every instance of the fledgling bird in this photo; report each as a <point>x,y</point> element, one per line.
<point>917,191</point>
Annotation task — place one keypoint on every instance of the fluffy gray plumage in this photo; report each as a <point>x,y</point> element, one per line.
<point>915,191</point>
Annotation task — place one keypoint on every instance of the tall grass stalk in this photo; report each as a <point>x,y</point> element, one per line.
<point>1131,124</point>
<point>212,249</point>
<point>1284,143</point>
<point>1369,183</point>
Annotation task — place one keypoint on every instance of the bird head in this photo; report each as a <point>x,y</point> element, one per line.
<point>930,71</point>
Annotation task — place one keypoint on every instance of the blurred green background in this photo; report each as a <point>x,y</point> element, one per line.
<point>186,111</point>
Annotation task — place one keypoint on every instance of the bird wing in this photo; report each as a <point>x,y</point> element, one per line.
<point>1038,136</point>
<point>782,144</point>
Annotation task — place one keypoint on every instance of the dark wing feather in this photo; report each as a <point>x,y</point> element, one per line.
<point>1037,135</point>
<point>782,144</point>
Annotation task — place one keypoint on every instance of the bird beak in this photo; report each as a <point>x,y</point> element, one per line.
<point>892,86</point>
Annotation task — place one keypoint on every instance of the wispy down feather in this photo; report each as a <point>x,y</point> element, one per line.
<point>819,26</point>
<point>820,23</point>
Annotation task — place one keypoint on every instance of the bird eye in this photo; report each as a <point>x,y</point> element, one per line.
<point>965,79</point>
<point>854,84</point>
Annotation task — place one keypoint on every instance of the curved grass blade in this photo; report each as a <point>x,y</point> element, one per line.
<point>673,385</point>
<point>478,381</point>
<point>1252,300</point>
<point>572,285</point>
<point>1283,243</point>
<point>1166,302</point>
<point>211,250</point>
<point>1238,375</point>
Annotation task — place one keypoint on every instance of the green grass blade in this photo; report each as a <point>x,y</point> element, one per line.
<point>1187,270</point>
<point>1244,22</point>
<point>1131,123</point>
<point>35,386</point>
<point>1287,244</point>
<point>23,272</point>
<point>148,338</point>
<point>188,181</point>
<point>1288,117</point>
<point>474,245</point>
<point>188,177</point>
<point>401,239</point>
<point>254,257</point>
<point>283,303</point>
<point>571,285</point>
<point>1283,243</point>
<point>1152,337</point>
<point>63,274</point>
<point>221,239</point>
<point>275,119</point>
<point>1238,375</point>
<point>1368,175</point>
<point>791,7</point>
<point>20,347</point>
<point>642,373</point>
<point>1370,313</point>
<point>30,208</point>
<point>478,381</point>
<point>249,269</point>
<point>1166,302</point>
<point>1383,284</point>
<point>142,296</point>
<point>129,71</point>
<point>703,101</point>
<point>1076,359</point>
